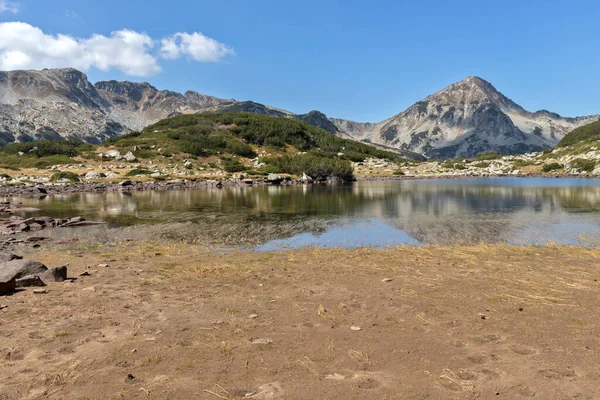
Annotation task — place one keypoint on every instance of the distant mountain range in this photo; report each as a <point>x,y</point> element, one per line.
<point>463,119</point>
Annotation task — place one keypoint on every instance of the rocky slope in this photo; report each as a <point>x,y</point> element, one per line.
<point>464,119</point>
<point>62,103</point>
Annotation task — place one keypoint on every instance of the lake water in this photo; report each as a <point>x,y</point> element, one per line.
<point>517,211</point>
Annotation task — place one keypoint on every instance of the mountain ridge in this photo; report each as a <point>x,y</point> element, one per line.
<point>462,119</point>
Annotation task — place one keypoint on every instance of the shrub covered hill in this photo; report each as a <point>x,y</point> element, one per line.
<point>253,142</point>
<point>585,134</point>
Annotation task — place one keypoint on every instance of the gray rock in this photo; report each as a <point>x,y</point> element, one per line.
<point>95,175</point>
<point>126,182</point>
<point>58,274</point>
<point>113,153</point>
<point>274,179</point>
<point>29,281</point>
<point>19,268</point>
<point>10,271</point>
<point>7,286</point>
<point>9,257</point>
<point>130,157</point>
<point>305,178</point>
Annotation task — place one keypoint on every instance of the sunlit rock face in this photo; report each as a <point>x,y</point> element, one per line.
<point>464,119</point>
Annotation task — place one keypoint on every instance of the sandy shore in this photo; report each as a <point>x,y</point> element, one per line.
<point>178,322</point>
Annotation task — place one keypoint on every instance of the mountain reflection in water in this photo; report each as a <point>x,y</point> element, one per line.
<point>377,213</point>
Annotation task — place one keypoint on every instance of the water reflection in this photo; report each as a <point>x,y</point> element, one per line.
<point>490,210</point>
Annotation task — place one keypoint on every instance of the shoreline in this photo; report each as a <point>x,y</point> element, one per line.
<point>44,189</point>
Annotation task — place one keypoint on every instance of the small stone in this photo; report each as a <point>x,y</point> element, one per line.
<point>262,341</point>
<point>40,291</point>
<point>217,322</point>
<point>130,377</point>
<point>3,306</point>
<point>355,328</point>
<point>335,377</point>
<point>103,265</point>
<point>253,316</point>
<point>385,280</point>
<point>89,289</point>
<point>483,317</point>
<point>84,274</point>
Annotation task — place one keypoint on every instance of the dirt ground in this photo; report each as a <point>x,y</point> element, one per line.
<point>178,322</point>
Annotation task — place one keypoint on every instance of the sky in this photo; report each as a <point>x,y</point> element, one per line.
<point>358,60</point>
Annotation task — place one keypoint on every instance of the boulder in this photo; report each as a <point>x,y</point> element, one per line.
<point>95,175</point>
<point>113,153</point>
<point>8,257</point>
<point>29,281</point>
<point>7,286</point>
<point>11,271</point>
<point>126,182</point>
<point>274,179</point>
<point>305,178</point>
<point>130,157</point>
<point>58,274</point>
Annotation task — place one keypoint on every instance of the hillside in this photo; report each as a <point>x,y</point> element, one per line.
<point>586,133</point>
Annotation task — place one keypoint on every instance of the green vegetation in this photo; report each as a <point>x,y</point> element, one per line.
<point>523,163</point>
<point>398,173</point>
<point>488,155</point>
<point>583,165</point>
<point>552,167</point>
<point>452,164</point>
<point>70,176</point>
<point>138,171</point>
<point>238,134</point>
<point>232,165</point>
<point>317,167</point>
<point>481,164</point>
<point>586,133</point>
<point>40,154</point>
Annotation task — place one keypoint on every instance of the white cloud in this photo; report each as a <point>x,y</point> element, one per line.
<point>195,45</point>
<point>8,6</point>
<point>23,46</point>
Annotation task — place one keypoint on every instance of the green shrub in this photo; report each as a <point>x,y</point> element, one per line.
<point>44,148</point>
<point>70,176</point>
<point>583,165</point>
<point>523,163</point>
<point>586,133</point>
<point>481,164</point>
<point>231,165</point>
<point>138,171</point>
<point>452,165</point>
<point>317,167</point>
<point>488,155</point>
<point>552,167</point>
<point>398,173</point>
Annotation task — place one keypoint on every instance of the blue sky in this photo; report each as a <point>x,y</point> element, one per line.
<point>351,59</point>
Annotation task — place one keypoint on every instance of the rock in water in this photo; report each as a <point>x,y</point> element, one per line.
<point>274,179</point>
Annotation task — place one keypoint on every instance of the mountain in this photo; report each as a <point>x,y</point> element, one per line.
<point>464,119</point>
<point>63,104</point>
